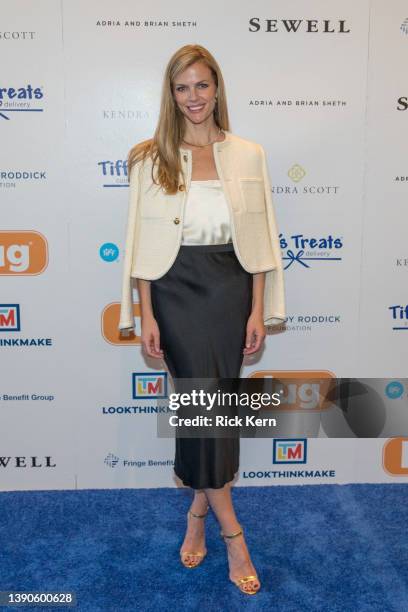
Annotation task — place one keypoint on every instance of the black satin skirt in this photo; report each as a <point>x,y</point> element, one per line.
<point>202,305</point>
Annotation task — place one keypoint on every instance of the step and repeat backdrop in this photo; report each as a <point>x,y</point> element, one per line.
<point>323,88</point>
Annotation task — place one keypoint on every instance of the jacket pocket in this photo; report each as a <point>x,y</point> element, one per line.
<point>153,203</point>
<point>253,194</point>
<point>149,209</point>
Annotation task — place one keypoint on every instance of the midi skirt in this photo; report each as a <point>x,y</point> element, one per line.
<point>201,306</point>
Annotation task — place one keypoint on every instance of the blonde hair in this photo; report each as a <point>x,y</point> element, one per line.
<point>163,148</point>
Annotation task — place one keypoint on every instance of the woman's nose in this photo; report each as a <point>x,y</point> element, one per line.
<point>193,95</point>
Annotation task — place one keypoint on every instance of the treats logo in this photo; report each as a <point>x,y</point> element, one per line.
<point>26,99</point>
<point>301,250</point>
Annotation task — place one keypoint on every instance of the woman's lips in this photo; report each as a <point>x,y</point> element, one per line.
<point>196,109</point>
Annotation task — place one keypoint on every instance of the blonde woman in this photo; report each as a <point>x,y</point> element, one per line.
<point>202,242</point>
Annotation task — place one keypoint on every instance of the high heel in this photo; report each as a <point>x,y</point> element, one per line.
<point>240,582</point>
<point>183,554</point>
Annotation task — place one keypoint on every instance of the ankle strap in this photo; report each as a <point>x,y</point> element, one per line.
<point>199,515</point>
<point>232,535</point>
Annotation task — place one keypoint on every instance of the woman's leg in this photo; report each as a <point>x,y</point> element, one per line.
<point>239,560</point>
<point>195,534</point>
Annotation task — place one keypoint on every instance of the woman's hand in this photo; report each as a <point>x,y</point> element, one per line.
<point>151,337</point>
<point>255,333</point>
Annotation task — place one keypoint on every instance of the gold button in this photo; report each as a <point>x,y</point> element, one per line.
<point>176,220</point>
<point>181,187</point>
<point>185,157</point>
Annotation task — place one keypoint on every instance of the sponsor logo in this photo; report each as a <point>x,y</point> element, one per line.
<point>395,457</point>
<point>114,173</point>
<point>394,389</point>
<point>402,103</point>
<point>307,322</point>
<point>20,100</point>
<point>110,321</point>
<point>113,461</point>
<point>22,253</point>
<point>399,315</point>
<point>27,462</point>
<point>10,317</point>
<point>293,26</point>
<point>15,35</point>
<point>10,321</point>
<point>149,386</point>
<point>109,252</point>
<point>146,24</point>
<point>9,179</point>
<point>302,390</point>
<point>292,450</point>
<point>301,249</point>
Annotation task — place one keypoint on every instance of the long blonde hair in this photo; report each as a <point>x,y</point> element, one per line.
<point>163,148</point>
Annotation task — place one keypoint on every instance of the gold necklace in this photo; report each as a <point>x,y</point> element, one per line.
<point>205,145</point>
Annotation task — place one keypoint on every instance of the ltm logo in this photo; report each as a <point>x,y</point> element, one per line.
<point>290,450</point>
<point>10,317</point>
<point>149,386</point>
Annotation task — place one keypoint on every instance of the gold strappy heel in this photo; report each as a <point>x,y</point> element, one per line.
<point>185,553</point>
<point>239,582</point>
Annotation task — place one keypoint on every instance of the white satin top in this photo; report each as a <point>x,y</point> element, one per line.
<point>206,214</point>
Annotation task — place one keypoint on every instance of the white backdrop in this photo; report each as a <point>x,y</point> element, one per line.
<point>323,89</point>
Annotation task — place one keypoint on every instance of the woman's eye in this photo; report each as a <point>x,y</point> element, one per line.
<point>181,88</point>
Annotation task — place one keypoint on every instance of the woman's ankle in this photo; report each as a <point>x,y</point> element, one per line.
<point>230,527</point>
<point>199,505</point>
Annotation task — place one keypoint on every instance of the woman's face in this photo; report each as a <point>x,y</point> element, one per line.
<point>194,91</point>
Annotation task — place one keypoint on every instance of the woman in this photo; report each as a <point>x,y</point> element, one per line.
<point>207,261</point>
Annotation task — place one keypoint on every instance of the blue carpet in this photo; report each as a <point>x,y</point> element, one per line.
<point>316,548</point>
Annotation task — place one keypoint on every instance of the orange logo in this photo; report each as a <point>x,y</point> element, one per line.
<point>110,322</point>
<point>395,457</point>
<point>301,390</point>
<point>22,253</point>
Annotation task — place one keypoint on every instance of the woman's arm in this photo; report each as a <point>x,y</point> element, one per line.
<point>258,288</point>
<point>143,288</point>
<point>255,330</point>
<point>150,330</point>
